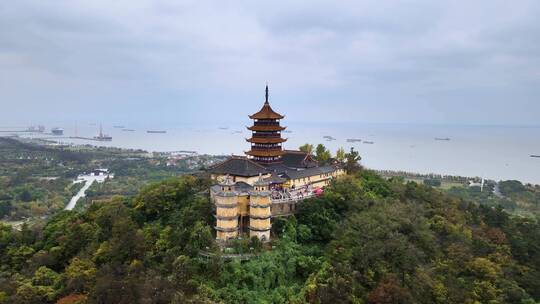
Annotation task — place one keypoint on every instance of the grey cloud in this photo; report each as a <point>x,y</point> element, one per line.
<point>186,56</point>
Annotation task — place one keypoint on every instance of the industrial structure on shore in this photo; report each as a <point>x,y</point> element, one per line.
<point>268,182</point>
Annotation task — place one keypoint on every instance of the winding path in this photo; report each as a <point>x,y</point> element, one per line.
<point>88,180</point>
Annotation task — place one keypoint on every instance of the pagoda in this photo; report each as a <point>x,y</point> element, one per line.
<point>266,137</point>
<point>250,191</point>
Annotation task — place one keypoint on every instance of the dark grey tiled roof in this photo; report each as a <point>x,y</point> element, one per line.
<point>239,187</point>
<point>295,174</point>
<point>239,166</point>
<point>215,188</point>
<point>277,168</point>
<point>275,179</point>
<point>297,159</point>
<point>242,187</point>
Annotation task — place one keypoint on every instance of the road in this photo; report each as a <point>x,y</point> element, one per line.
<point>88,180</point>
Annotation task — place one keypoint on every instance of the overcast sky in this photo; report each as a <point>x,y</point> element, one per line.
<point>454,62</point>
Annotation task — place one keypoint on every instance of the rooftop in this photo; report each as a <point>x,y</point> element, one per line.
<point>296,174</point>
<point>298,159</point>
<point>266,111</point>
<point>240,166</point>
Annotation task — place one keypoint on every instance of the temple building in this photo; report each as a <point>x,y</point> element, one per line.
<point>267,182</point>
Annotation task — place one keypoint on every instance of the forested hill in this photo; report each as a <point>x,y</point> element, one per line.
<point>366,240</point>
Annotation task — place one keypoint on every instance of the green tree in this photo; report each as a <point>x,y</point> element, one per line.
<point>352,163</point>
<point>307,148</point>
<point>340,155</point>
<point>80,275</point>
<point>200,238</point>
<point>322,155</point>
<point>45,277</point>
<point>160,200</point>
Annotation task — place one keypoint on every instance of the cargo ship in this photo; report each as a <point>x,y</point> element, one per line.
<point>328,138</point>
<point>442,138</point>
<point>351,140</point>
<point>156,131</point>
<point>57,131</point>
<point>101,136</point>
<point>535,156</point>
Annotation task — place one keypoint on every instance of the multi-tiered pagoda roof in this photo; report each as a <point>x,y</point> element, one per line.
<point>266,137</point>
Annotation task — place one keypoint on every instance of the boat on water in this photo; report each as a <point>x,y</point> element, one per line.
<point>118,127</point>
<point>329,138</point>
<point>102,136</point>
<point>156,131</point>
<point>287,131</point>
<point>352,140</point>
<point>368,142</point>
<point>224,128</point>
<point>128,130</point>
<point>57,131</point>
<point>442,138</point>
<point>535,156</point>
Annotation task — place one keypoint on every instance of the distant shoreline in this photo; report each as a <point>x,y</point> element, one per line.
<point>365,151</point>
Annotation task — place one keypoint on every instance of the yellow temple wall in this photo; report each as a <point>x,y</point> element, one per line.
<point>317,180</point>
<point>259,224</point>
<point>236,178</point>
<point>226,200</point>
<point>259,200</point>
<point>221,235</point>
<point>243,205</point>
<point>226,211</point>
<point>227,223</point>
<point>260,212</point>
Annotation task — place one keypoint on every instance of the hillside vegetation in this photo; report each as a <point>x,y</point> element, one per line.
<point>366,240</point>
<point>36,181</point>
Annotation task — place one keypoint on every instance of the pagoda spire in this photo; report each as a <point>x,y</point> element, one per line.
<point>266,94</point>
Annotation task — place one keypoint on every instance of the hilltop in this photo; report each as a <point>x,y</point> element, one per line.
<point>366,240</point>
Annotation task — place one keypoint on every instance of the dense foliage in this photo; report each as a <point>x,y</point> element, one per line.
<point>366,240</point>
<point>513,196</point>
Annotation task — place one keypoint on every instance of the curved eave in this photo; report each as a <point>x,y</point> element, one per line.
<point>266,128</point>
<point>226,229</point>
<point>226,218</point>
<point>260,229</point>
<point>261,115</point>
<point>227,206</point>
<point>266,112</point>
<point>257,217</point>
<point>257,140</point>
<point>264,153</point>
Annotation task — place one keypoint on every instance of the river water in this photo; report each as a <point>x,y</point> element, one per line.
<point>494,152</point>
